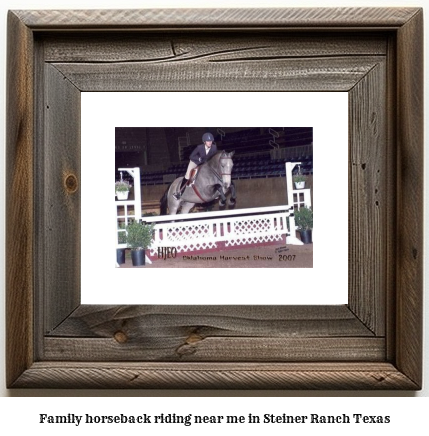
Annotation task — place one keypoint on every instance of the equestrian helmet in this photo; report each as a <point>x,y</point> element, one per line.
<point>208,137</point>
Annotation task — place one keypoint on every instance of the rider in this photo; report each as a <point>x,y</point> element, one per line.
<point>201,154</point>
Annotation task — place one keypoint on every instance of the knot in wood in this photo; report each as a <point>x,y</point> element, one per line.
<point>71,183</point>
<point>120,337</point>
<point>193,338</point>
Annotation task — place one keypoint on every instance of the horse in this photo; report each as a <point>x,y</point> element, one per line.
<point>213,181</point>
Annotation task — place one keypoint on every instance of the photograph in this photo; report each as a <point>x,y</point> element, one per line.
<point>215,197</point>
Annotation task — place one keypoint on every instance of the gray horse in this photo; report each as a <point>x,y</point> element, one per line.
<point>212,182</point>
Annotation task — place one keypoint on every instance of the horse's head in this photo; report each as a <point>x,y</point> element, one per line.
<point>225,167</point>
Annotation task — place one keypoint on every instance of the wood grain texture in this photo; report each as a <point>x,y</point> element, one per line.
<point>295,74</point>
<point>213,334</point>
<point>410,199</point>
<point>109,375</point>
<point>391,194</point>
<point>61,206</point>
<point>187,347</point>
<point>192,348</point>
<point>224,47</point>
<point>368,172</point>
<point>19,198</point>
<point>99,321</point>
<point>215,18</point>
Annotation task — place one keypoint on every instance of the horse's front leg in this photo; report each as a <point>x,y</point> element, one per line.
<point>222,201</point>
<point>233,195</point>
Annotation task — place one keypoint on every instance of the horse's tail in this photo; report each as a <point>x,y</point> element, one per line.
<point>164,202</point>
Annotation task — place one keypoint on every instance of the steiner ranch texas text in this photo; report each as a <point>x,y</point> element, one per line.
<point>187,420</point>
<point>314,418</point>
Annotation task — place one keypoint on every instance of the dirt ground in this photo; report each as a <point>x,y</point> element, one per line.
<point>277,255</point>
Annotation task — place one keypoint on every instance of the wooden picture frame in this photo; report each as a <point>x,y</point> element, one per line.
<point>373,342</point>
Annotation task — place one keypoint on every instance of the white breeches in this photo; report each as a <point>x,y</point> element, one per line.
<point>191,166</point>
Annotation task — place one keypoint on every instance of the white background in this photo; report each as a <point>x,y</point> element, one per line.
<point>21,413</point>
<point>325,283</point>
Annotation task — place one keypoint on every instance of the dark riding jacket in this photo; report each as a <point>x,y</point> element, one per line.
<point>199,156</point>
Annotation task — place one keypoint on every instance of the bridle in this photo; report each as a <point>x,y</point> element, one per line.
<point>219,176</point>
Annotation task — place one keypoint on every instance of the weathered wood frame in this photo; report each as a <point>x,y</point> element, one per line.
<point>374,342</point>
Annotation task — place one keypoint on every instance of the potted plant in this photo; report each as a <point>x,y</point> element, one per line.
<point>122,188</point>
<point>122,239</point>
<point>299,181</point>
<point>304,222</point>
<point>139,238</point>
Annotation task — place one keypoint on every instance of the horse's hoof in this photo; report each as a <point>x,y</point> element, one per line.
<point>232,202</point>
<point>222,203</point>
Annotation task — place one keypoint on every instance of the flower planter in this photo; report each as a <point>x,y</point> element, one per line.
<point>299,185</point>
<point>305,236</point>
<point>122,195</point>
<point>138,257</point>
<point>120,256</point>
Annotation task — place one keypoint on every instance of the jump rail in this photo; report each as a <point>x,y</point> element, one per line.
<point>198,231</point>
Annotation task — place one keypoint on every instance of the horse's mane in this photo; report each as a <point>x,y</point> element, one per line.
<point>217,153</point>
<point>215,158</point>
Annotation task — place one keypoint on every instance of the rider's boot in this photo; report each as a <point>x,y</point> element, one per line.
<point>179,192</point>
